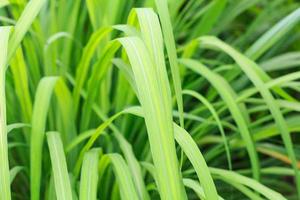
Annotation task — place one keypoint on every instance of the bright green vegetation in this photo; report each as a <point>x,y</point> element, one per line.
<point>149,99</point>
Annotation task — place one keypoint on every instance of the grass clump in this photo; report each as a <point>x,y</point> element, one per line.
<point>149,99</point>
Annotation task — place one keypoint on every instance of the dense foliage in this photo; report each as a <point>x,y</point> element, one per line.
<point>149,99</point>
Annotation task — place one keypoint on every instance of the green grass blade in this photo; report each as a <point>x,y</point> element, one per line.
<point>191,150</point>
<point>256,186</point>
<point>83,66</point>
<point>249,67</point>
<point>100,129</point>
<point>124,145</point>
<point>133,165</point>
<point>229,97</point>
<point>194,185</point>
<point>217,119</point>
<point>66,125</point>
<point>288,60</point>
<point>59,167</point>
<point>89,175</point>
<point>14,172</point>
<point>245,190</point>
<point>94,14</point>
<point>190,183</point>
<point>100,69</point>
<point>11,127</point>
<point>40,110</point>
<point>273,35</point>
<point>209,19</point>
<point>126,70</point>
<point>169,39</point>
<point>158,118</point>
<point>4,169</point>
<point>27,17</point>
<point>80,138</point>
<point>127,189</point>
<point>152,37</point>
<point>18,68</point>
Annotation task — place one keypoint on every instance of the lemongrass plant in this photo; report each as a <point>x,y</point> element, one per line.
<point>149,99</point>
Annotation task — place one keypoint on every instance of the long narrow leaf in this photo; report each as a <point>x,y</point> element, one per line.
<point>28,15</point>
<point>158,118</point>
<point>40,110</point>
<point>249,67</point>
<point>59,167</point>
<point>4,169</point>
<point>229,96</point>
<point>167,30</point>
<point>89,175</point>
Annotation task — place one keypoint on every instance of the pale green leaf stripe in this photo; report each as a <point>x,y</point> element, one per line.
<point>14,172</point>
<point>248,66</point>
<point>4,169</point>
<point>256,186</point>
<point>192,151</point>
<point>11,127</point>
<point>40,110</point>
<point>59,167</point>
<point>164,16</point>
<point>194,185</point>
<point>127,189</point>
<point>158,119</point>
<point>289,60</point>
<point>278,171</point>
<point>89,175</point>
<point>217,119</point>
<point>27,17</point>
<point>229,97</point>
